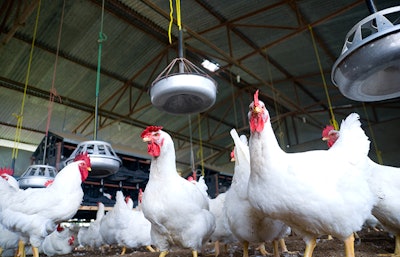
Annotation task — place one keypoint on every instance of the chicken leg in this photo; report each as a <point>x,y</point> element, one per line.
<point>123,250</point>
<point>275,245</point>
<point>349,246</point>
<point>194,253</point>
<point>310,245</point>
<point>283,245</point>
<point>245,249</point>
<point>21,249</point>
<point>35,251</point>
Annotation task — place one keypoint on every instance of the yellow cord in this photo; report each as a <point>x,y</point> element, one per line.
<point>377,151</point>
<point>171,18</point>
<point>333,120</point>
<point>20,116</point>
<point>201,145</point>
<point>178,14</point>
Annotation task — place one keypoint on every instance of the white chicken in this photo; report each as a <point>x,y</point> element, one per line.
<point>321,192</point>
<point>60,241</point>
<point>91,236</point>
<point>8,240</point>
<point>34,212</point>
<point>222,232</point>
<point>177,209</point>
<point>134,228</point>
<point>249,224</point>
<point>385,183</point>
<point>109,224</point>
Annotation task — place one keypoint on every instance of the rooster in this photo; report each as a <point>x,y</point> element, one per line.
<point>248,224</point>
<point>177,208</point>
<point>385,183</point>
<point>314,192</point>
<point>33,213</point>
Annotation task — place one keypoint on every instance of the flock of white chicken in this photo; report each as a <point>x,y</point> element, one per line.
<point>313,193</point>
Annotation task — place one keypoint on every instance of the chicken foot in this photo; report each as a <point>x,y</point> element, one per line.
<point>35,251</point>
<point>216,248</point>
<point>150,248</point>
<point>163,254</point>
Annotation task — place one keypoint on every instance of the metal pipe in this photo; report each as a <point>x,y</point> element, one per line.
<point>371,6</point>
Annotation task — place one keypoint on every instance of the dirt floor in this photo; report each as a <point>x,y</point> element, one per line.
<point>372,244</point>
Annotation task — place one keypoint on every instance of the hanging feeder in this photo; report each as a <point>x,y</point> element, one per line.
<point>103,159</point>
<point>368,68</point>
<point>188,91</point>
<point>37,176</point>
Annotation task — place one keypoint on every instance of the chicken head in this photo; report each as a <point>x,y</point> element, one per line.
<point>258,114</point>
<point>84,165</point>
<point>330,135</point>
<point>154,141</point>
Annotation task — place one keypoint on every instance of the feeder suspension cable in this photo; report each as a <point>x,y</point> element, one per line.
<point>53,91</point>
<point>333,121</point>
<point>21,114</point>
<point>101,39</point>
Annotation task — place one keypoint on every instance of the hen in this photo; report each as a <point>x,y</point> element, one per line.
<point>222,232</point>
<point>33,212</point>
<point>177,209</point>
<point>109,224</point>
<point>249,224</point>
<point>134,228</point>
<point>91,236</point>
<point>314,192</point>
<point>385,183</point>
<point>60,241</point>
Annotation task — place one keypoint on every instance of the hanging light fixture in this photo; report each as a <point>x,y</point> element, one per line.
<point>368,68</point>
<point>189,91</point>
<point>103,159</point>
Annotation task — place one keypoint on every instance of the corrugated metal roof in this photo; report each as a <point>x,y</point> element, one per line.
<point>258,44</point>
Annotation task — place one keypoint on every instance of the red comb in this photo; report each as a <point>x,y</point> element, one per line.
<point>326,130</point>
<point>71,240</point>
<point>150,129</point>
<point>83,157</point>
<point>256,103</point>
<point>233,154</point>
<point>59,228</point>
<point>8,171</point>
<point>48,182</point>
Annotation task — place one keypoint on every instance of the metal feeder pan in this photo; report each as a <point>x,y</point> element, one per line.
<point>183,93</point>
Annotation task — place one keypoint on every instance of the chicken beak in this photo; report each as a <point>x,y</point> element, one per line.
<point>257,109</point>
<point>89,169</point>
<point>325,138</point>
<point>146,139</point>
